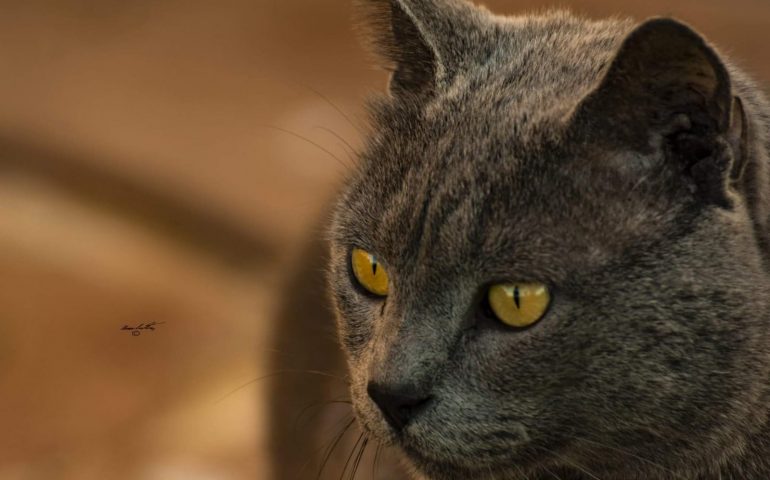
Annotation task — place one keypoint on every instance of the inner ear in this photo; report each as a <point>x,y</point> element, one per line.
<point>663,70</point>
<point>667,92</point>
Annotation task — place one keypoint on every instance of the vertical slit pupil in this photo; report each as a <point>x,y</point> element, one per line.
<point>516,297</point>
<point>374,265</point>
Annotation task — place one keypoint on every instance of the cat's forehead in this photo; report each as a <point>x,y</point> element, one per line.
<point>534,71</point>
<point>541,209</point>
<point>513,94</point>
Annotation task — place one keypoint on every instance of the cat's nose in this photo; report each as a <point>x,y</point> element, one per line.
<point>398,405</point>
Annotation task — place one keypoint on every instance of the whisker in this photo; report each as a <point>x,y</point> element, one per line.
<point>333,446</point>
<point>350,150</point>
<point>324,403</point>
<point>570,462</point>
<point>552,474</point>
<point>375,460</point>
<point>528,458</point>
<point>521,472</point>
<point>311,142</point>
<point>281,372</point>
<point>335,107</point>
<point>350,457</point>
<point>629,454</point>
<point>346,420</point>
<point>358,458</point>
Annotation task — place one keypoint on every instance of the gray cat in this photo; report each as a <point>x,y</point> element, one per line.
<point>552,261</point>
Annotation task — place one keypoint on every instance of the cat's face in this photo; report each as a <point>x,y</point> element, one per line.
<point>649,357</point>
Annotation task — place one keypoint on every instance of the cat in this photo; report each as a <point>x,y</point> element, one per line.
<point>552,259</point>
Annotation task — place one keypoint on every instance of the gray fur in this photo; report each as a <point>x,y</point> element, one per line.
<point>606,159</point>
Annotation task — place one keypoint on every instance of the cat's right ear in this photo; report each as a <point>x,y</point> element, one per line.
<point>667,86</point>
<point>419,40</point>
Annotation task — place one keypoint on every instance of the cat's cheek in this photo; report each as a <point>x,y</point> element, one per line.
<point>355,316</point>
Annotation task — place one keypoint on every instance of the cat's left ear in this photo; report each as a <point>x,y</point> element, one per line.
<point>667,85</point>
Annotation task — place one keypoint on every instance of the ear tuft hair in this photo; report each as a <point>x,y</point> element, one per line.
<point>395,36</point>
<point>422,42</point>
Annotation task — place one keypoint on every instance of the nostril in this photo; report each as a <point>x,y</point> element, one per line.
<point>398,404</point>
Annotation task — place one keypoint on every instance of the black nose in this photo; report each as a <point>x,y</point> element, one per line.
<point>398,405</point>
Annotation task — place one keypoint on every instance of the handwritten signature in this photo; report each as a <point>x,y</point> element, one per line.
<point>136,331</point>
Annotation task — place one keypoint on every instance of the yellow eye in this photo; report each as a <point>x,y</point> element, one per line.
<point>369,273</point>
<point>519,304</point>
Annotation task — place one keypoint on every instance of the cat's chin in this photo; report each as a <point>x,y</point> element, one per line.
<point>431,469</point>
<point>436,461</point>
<point>433,464</point>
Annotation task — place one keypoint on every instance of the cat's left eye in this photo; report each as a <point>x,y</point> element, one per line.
<point>369,273</point>
<point>519,304</point>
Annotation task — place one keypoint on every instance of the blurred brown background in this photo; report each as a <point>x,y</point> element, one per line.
<point>152,169</point>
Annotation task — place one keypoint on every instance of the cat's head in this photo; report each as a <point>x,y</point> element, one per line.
<point>547,258</point>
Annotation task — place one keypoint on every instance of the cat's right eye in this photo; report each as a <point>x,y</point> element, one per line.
<point>368,272</point>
